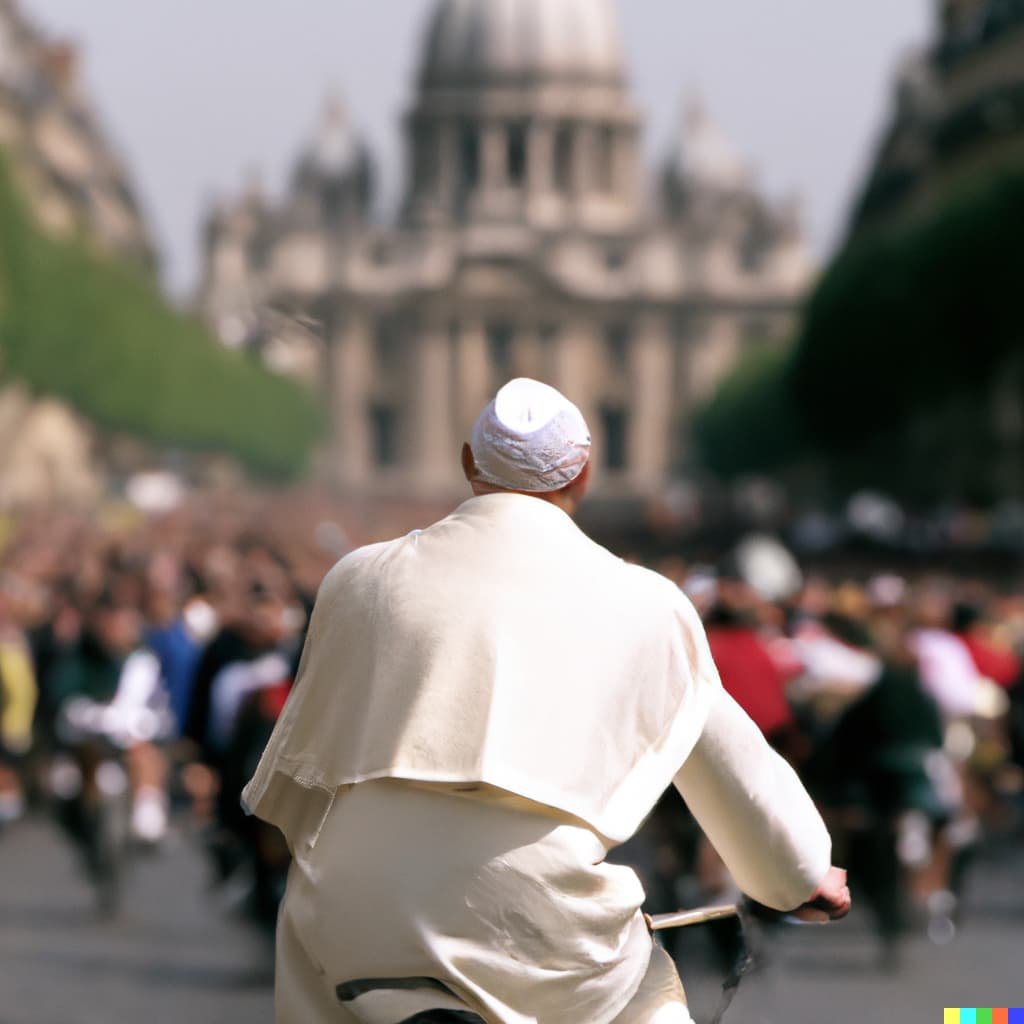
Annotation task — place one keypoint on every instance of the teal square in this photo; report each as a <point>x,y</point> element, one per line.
<point>968,1015</point>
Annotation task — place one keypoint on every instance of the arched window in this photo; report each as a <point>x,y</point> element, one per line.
<point>615,426</point>
<point>604,171</point>
<point>499,351</point>
<point>384,435</point>
<point>549,334</point>
<point>469,157</point>
<point>616,255</point>
<point>387,345</point>
<point>515,152</point>
<point>755,248</point>
<point>427,158</point>
<point>333,194</point>
<point>563,158</point>
<point>616,340</point>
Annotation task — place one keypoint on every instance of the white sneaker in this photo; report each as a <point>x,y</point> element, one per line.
<point>149,816</point>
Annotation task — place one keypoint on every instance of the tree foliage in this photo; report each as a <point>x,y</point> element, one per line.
<point>900,349</point>
<point>911,316</point>
<point>749,423</point>
<point>80,325</point>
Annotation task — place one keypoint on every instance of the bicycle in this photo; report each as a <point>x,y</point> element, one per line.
<point>429,1001</point>
<point>90,786</point>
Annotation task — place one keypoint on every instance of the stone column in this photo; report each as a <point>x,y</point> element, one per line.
<point>432,448</point>
<point>473,376</point>
<point>651,421</point>
<point>351,369</point>
<point>573,371</point>
<point>527,359</point>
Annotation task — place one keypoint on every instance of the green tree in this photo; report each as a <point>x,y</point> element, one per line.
<point>901,347</point>
<point>749,424</point>
<point>83,326</point>
<point>912,316</point>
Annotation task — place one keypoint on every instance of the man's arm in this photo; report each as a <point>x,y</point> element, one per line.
<point>758,816</point>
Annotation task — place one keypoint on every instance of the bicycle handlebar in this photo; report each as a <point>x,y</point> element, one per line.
<point>810,913</point>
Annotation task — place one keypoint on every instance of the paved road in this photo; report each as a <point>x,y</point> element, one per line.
<point>832,975</point>
<point>175,956</point>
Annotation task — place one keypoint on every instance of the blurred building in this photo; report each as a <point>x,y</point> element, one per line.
<point>66,170</point>
<point>46,452</point>
<point>529,241</point>
<point>958,107</point>
<point>64,163</point>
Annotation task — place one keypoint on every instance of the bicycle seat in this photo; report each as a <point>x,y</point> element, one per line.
<point>404,1001</point>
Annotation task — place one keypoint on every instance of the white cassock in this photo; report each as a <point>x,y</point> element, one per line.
<point>484,709</point>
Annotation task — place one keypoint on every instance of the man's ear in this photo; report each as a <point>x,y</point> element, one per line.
<point>468,462</point>
<point>582,483</point>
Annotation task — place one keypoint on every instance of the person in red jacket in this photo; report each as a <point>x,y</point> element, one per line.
<point>995,662</point>
<point>748,672</point>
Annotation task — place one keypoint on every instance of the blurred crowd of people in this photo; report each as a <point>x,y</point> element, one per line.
<point>176,639</point>
<point>901,705</point>
<point>172,641</point>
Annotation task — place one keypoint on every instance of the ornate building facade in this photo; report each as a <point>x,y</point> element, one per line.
<point>958,109</point>
<point>74,183</point>
<point>530,240</point>
<point>49,131</point>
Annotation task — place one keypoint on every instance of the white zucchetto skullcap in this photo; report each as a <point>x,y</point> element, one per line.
<point>530,438</point>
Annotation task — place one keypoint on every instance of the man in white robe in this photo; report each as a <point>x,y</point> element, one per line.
<point>485,708</point>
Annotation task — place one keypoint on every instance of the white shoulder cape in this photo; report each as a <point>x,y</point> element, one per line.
<point>499,646</point>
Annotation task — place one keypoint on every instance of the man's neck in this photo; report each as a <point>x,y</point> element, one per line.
<point>563,499</point>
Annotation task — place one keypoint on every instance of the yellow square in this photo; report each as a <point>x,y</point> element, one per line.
<point>951,1015</point>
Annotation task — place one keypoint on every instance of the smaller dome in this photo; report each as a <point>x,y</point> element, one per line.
<point>480,41</point>
<point>706,156</point>
<point>334,149</point>
<point>333,178</point>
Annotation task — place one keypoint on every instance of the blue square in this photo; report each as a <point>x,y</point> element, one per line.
<point>1015,1015</point>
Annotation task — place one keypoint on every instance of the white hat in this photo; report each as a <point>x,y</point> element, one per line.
<point>530,438</point>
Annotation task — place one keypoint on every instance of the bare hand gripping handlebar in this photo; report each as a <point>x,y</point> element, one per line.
<point>747,914</point>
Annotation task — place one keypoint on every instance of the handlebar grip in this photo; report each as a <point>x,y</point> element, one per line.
<point>809,913</point>
<point>813,912</point>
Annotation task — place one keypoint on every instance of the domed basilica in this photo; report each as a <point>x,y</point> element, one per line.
<point>530,240</point>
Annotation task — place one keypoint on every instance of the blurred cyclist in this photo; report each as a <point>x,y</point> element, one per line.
<point>110,686</point>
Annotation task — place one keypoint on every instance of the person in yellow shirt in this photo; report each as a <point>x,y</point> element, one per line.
<point>18,694</point>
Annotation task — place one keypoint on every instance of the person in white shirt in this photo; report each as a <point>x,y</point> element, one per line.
<point>484,708</point>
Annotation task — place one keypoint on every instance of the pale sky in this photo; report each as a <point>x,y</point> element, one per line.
<point>198,93</point>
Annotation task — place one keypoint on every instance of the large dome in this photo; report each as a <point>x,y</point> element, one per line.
<point>479,41</point>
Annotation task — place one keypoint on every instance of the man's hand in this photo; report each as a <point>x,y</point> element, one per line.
<point>829,902</point>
